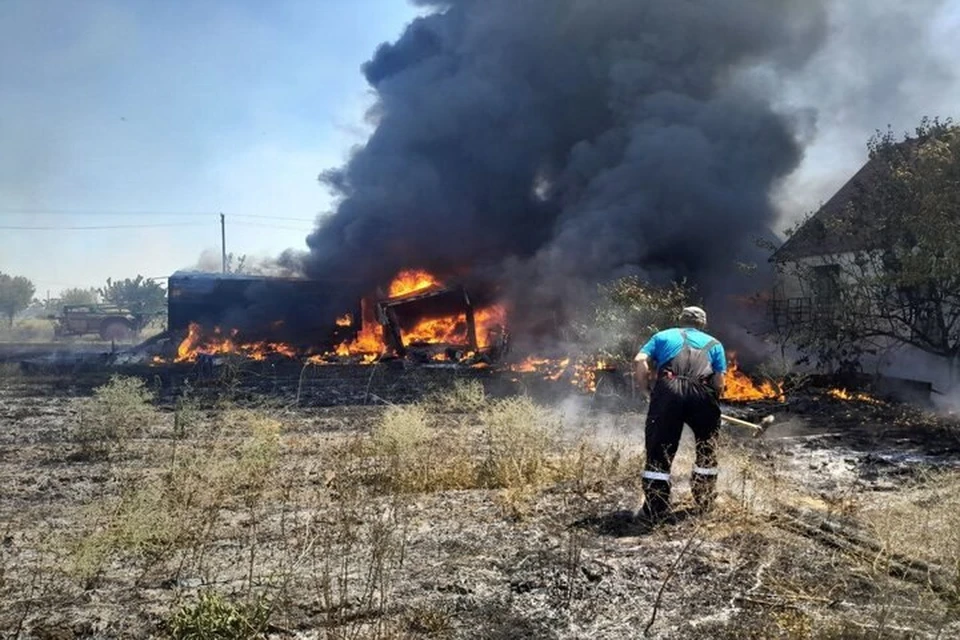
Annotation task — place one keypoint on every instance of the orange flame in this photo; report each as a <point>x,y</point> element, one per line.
<point>412,281</point>
<point>197,344</point>
<point>738,387</point>
<point>430,331</point>
<point>847,396</point>
<point>489,322</point>
<point>369,343</point>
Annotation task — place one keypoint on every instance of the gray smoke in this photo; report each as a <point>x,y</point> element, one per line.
<point>551,144</point>
<point>885,62</point>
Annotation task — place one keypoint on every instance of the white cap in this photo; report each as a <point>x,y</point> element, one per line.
<point>694,314</point>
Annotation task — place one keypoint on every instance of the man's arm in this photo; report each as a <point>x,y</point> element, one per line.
<point>641,373</point>
<point>717,381</point>
<point>718,359</point>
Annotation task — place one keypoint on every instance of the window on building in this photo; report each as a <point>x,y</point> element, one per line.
<point>826,289</point>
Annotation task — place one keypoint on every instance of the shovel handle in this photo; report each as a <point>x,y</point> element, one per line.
<point>741,423</point>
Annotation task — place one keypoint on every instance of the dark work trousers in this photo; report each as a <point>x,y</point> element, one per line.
<point>673,403</point>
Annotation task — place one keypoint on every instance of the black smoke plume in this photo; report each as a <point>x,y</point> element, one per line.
<point>550,144</point>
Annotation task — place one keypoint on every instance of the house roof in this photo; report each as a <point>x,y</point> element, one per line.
<point>836,227</point>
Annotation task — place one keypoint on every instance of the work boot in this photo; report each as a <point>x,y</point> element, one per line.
<point>704,490</point>
<point>656,504</point>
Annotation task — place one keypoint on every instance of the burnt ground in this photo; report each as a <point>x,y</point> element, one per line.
<point>266,488</point>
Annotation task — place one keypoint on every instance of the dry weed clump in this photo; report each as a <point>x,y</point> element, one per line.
<point>518,448</point>
<point>523,441</point>
<point>419,457</point>
<point>116,411</point>
<point>179,508</point>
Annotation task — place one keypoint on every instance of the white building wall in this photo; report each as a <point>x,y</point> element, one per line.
<point>896,360</point>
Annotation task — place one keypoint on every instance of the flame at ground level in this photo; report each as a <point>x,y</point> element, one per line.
<point>197,344</point>
<point>738,387</point>
<point>583,374</point>
<point>847,396</point>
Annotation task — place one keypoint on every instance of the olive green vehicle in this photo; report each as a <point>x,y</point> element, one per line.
<point>110,322</point>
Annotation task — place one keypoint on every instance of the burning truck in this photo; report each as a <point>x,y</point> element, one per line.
<point>417,317</point>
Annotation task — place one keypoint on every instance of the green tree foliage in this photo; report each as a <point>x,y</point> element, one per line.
<point>628,312</point>
<point>901,282</point>
<point>139,295</point>
<point>77,296</point>
<point>16,293</point>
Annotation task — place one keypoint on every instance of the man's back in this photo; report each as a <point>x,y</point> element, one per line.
<point>666,345</point>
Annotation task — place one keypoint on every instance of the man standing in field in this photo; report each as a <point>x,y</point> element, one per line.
<point>688,366</point>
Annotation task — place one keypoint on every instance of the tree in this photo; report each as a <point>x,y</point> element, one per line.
<point>77,297</point>
<point>898,280</point>
<point>139,295</point>
<point>627,313</point>
<point>16,293</point>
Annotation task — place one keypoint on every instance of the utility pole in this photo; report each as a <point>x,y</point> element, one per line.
<point>223,240</point>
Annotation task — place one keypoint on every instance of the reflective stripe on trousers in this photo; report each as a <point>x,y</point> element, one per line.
<point>704,471</point>
<point>656,475</point>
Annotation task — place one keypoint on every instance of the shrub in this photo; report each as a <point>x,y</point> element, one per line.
<point>522,438</point>
<point>116,411</point>
<point>419,458</point>
<point>179,508</point>
<point>212,617</point>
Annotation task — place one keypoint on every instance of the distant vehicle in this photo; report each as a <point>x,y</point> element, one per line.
<point>110,322</point>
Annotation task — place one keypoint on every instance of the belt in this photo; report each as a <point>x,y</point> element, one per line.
<point>670,375</point>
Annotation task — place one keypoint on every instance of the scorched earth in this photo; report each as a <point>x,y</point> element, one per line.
<point>399,502</point>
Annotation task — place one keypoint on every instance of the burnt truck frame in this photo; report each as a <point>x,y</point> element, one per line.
<point>297,312</point>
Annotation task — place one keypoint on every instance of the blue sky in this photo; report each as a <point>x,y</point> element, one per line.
<point>143,106</point>
<point>134,106</point>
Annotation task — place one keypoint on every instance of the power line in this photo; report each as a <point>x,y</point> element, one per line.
<point>270,226</point>
<point>192,214</point>
<point>99,212</point>
<point>251,215</point>
<point>99,228</point>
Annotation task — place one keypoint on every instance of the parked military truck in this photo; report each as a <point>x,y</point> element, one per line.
<point>110,322</point>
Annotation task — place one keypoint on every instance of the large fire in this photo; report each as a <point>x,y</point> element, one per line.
<point>584,374</point>
<point>369,343</point>
<point>445,330</point>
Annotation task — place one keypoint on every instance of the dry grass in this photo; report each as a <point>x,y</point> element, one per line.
<point>27,331</point>
<point>522,442</point>
<point>921,522</point>
<point>281,526</point>
<point>9,370</point>
<point>418,457</point>
<point>117,411</point>
<point>175,512</point>
<point>511,445</point>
